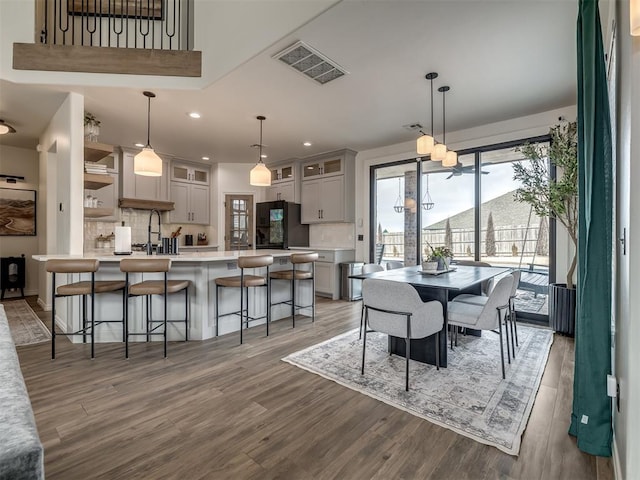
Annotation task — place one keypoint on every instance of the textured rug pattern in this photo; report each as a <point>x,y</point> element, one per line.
<point>469,397</point>
<point>26,328</point>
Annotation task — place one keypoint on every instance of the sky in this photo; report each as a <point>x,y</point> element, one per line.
<point>450,196</point>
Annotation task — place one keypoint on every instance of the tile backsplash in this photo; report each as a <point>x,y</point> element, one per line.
<point>138,220</point>
<point>332,235</point>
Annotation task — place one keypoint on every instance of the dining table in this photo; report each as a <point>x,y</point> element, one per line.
<point>435,285</point>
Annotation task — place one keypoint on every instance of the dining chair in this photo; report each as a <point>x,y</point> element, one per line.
<point>393,264</point>
<point>395,308</point>
<point>484,317</point>
<point>510,318</point>
<point>366,269</point>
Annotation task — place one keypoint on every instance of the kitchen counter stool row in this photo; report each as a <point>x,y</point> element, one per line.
<point>263,279</point>
<point>88,289</point>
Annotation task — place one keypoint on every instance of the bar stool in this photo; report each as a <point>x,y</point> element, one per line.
<point>294,275</point>
<point>147,288</point>
<point>83,288</point>
<point>243,282</point>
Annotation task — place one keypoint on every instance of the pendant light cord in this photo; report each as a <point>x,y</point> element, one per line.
<point>260,146</point>
<point>431,107</point>
<point>444,130</point>
<point>148,122</point>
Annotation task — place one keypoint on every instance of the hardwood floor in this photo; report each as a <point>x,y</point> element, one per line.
<point>216,409</point>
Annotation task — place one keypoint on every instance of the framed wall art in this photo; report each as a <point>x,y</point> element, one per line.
<point>17,212</point>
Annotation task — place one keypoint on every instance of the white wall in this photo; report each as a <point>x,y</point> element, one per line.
<point>61,184</point>
<point>24,163</point>
<point>515,129</point>
<point>231,178</point>
<point>627,312</point>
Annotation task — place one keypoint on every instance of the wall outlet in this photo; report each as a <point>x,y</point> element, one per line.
<point>361,238</point>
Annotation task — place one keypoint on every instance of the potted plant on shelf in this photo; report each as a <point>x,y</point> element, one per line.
<point>91,127</point>
<point>439,256</point>
<point>557,198</point>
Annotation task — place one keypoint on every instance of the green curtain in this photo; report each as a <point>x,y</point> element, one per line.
<point>591,416</point>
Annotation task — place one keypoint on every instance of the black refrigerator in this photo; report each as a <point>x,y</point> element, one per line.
<point>278,225</point>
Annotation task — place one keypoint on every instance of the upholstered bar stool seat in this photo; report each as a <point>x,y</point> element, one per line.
<point>82,288</point>
<point>146,288</point>
<point>296,274</point>
<point>243,282</point>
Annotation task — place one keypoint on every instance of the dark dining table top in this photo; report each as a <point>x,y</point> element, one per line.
<point>461,278</point>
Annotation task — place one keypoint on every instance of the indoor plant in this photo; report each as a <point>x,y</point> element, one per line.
<point>556,197</point>
<point>91,127</point>
<point>441,255</point>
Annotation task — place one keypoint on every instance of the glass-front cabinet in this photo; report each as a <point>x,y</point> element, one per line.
<point>326,167</point>
<point>182,172</point>
<point>282,174</point>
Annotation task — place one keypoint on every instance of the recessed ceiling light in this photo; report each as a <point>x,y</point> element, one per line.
<point>264,155</point>
<point>194,115</point>
<point>141,145</point>
<point>307,144</point>
<point>205,158</point>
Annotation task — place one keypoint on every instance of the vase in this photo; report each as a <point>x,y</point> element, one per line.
<point>91,132</point>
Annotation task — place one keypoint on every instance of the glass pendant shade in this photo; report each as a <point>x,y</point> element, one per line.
<point>439,152</point>
<point>4,129</point>
<point>424,145</point>
<point>260,175</point>
<point>634,17</point>
<point>147,163</point>
<point>450,159</point>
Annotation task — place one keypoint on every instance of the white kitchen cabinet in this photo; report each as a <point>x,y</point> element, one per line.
<point>285,173</point>
<point>325,281</point>
<point>190,173</point>
<point>191,203</point>
<point>282,191</point>
<point>140,187</point>
<point>328,188</point>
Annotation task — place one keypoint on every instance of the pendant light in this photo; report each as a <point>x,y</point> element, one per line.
<point>424,145</point>
<point>260,175</point>
<point>634,17</point>
<point>6,128</point>
<point>399,205</point>
<point>427,201</point>
<point>147,162</point>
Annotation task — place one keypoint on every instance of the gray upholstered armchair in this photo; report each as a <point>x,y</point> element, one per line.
<point>396,309</point>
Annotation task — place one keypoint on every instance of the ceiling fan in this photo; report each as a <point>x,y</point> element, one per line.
<point>459,169</point>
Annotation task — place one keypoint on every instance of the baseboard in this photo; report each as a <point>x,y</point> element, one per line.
<point>45,306</point>
<point>617,472</point>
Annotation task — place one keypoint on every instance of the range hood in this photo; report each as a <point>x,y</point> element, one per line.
<point>145,204</point>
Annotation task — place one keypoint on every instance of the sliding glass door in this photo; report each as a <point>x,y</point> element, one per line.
<point>469,208</point>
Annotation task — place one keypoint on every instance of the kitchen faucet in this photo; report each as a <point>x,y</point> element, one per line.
<point>149,245</point>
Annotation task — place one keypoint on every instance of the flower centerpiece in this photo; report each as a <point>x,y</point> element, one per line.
<point>440,257</point>
<point>91,127</point>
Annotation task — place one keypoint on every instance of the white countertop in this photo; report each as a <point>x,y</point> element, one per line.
<point>326,249</point>
<point>108,256</point>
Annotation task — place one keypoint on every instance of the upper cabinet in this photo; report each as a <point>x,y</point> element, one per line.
<point>190,173</point>
<point>324,168</point>
<point>284,183</point>
<point>328,188</point>
<point>283,174</point>
<point>140,187</point>
<point>190,193</point>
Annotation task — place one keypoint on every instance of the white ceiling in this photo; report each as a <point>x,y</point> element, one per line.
<point>502,60</point>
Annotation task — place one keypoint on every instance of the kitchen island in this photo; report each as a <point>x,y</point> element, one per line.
<point>202,268</point>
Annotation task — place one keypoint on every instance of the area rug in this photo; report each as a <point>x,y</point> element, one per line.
<point>469,397</point>
<point>26,328</point>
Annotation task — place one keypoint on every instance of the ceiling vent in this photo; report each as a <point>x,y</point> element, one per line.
<point>310,62</point>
